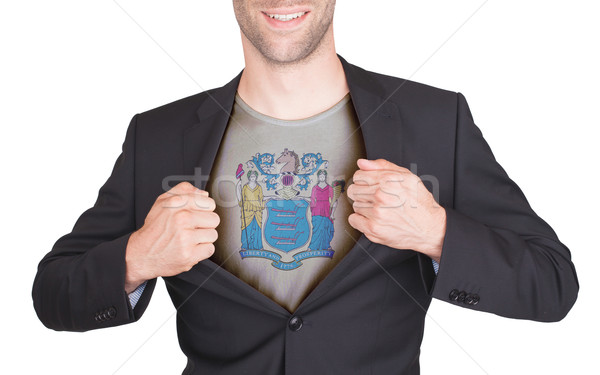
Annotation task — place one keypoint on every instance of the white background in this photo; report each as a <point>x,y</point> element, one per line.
<point>73,73</point>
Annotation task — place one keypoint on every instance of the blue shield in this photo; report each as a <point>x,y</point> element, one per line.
<point>287,228</point>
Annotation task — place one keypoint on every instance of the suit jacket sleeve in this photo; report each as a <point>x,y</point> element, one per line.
<point>498,255</point>
<point>80,283</point>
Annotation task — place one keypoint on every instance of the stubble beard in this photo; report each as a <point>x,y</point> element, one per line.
<point>300,52</point>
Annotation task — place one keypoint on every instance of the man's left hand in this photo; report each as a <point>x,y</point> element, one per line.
<point>392,207</point>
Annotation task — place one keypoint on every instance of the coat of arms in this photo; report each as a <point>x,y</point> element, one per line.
<point>296,188</point>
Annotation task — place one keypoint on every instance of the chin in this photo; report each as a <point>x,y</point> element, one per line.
<point>292,56</point>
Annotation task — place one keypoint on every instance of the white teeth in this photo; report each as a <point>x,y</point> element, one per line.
<point>286,17</point>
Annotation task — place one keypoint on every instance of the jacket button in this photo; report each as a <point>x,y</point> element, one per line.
<point>295,323</point>
<point>453,295</point>
<point>461,296</point>
<point>469,299</point>
<point>475,299</point>
<point>112,312</point>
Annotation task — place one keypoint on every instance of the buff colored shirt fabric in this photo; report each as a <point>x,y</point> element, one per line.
<point>280,191</point>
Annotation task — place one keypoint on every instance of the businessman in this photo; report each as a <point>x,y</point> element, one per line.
<point>281,208</point>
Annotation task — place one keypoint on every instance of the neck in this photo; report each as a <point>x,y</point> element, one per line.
<point>294,91</point>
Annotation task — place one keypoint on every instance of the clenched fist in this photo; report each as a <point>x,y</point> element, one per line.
<point>392,207</point>
<point>178,232</point>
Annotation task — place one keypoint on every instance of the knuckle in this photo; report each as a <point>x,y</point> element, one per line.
<point>350,190</point>
<point>214,235</point>
<point>408,177</point>
<point>355,221</point>
<point>371,193</point>
<point>183,239</point>
<point>193,257</point>
<point>208,249</point>
<point>358,176</point>
<point>181,217</point>
<point>358,206</point>
<point>379,214</point>
<point>411,178</point>
<point>205,203</point>
<point>351,218</point>
<point>175,200</point>
<point>416,181</point>
<point>178,189</point>
<point>184,255</point>
<point>208,236</point>
<point>372,228</point>
<point>388,177</point>
<point>376,213</point>
<point>190,262</point>
<point>379,195</point>
<point>184,185</point>
<point>402,169</point>
<point>216,219</point>
<point>391,179</point>
<point>212,203</point>
<point>181,189</point>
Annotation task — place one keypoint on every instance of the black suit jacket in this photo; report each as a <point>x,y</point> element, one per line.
<point>367,315</point>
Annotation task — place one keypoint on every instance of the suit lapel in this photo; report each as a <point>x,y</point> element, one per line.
<point>201,141</point>
<point>380,119</point>
<point>380,124</point>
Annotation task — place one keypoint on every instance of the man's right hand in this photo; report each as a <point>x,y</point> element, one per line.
<point>178,232</point>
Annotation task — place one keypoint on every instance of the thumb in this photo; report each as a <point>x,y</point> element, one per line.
<point>378,164</point>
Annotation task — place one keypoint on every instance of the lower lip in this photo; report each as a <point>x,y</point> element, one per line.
<point>277,24</point>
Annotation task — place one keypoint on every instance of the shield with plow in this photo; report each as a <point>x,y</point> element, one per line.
<point>287,228</point>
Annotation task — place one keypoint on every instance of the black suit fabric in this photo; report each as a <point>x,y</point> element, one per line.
<point>367,315</point>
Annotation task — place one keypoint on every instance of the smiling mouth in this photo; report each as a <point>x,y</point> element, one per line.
<point>286,17</point>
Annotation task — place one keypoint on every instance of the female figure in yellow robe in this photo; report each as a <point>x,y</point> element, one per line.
<point>250,199</point>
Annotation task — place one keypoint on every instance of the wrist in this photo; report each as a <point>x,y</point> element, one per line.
<point>134,275</point>
<point>435,239</point>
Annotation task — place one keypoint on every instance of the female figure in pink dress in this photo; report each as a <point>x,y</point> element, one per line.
<point>321,209</point>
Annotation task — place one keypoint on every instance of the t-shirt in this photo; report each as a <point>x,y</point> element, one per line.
<point>280,191</point>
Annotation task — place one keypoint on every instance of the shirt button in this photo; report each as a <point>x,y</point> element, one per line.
<point>295,323</point>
